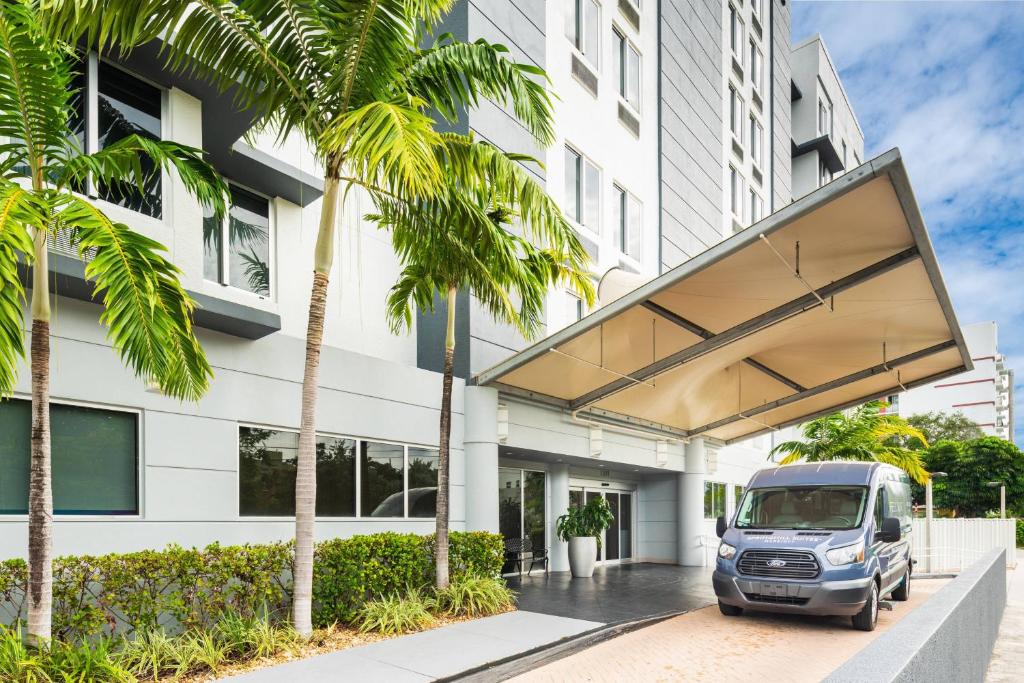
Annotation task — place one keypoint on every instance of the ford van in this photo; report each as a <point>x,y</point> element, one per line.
<point>825,539</point>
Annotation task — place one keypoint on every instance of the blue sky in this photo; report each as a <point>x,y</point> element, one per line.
<point>944,82</point>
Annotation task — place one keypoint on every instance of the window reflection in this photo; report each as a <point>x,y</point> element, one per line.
<point>382,494</point>
<point>248,230</point>
<point>422,482</point>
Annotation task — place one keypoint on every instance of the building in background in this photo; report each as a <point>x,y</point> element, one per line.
<point>678,123</point>
<point>984,395</point>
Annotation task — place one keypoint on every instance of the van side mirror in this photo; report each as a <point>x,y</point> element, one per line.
<point>891,530</point>
<point>721,526</point>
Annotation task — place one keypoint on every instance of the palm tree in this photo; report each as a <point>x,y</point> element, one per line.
<point>865,434</point>
<point>351,77</point>
<point>146,311</point>
<point>457,240</point>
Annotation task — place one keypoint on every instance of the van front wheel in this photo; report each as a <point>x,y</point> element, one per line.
<point>729,610</point>
<point>867,618</point>
<point>902,592</point>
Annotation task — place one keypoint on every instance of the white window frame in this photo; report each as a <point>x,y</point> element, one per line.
<point>225,256</point>
<point>140,465</point>
<point>91,93</point>
<point>756,9</point>
<point>581,190</point>
<point>756,206</point>
<point>756,141</point>
<point>736,107</point>
<point>736,32</point>
<point>756,66</point>
<point>735,193</point>
<point>824,116</point>
<point>824,173</point>
<point>579,40</point>
<point>358,479</point>
<point>621,60</point>
<point>623,237</point>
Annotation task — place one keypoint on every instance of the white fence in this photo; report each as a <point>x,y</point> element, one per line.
<point>955,543</point>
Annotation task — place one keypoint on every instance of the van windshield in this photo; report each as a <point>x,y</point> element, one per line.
<point>803,507</point>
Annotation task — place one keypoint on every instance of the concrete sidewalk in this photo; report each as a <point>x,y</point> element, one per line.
<point>429,655</point>
<point>1008,655</point>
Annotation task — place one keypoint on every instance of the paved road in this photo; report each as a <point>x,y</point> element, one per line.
<point>705,646</point>
<point>1008,656</point>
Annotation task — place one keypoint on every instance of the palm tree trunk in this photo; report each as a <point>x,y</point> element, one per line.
<point>305,477</point>
<point>40,494</point>
<point>443,459</point>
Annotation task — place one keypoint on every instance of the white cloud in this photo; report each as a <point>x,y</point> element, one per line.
<point>944,82</point>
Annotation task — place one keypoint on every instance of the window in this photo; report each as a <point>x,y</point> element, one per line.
<point>582,190</point>
<point>737,496</point>
<point>582,27</point>
<point>824,117</point>
<point>628,224</point>
<point>573,308</point>
<point>268,459</point>
<point>756,141</point>
<point>94,456</point>
<point>893,407</point>
<point>755,8</point>
<point>736,33</point>
<point>802,507</point>
<point>756,66</point>
<point>246,229</point>
<point>845,167</point>
<point>735,113</point>
<point>824,173</point>
<point>735,193</point>
<point>756,207</point>
<point>900,500</point>
<point>714,500</point>
<point>627,69</point>
<point>124,105</point>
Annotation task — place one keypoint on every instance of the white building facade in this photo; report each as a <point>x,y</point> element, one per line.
<point>984,395</point>
<point>648,163</point>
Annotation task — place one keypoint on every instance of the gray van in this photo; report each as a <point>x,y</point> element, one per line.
<point>826,539</point>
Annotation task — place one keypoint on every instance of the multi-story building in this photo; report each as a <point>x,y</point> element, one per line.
<point>676,127</point>
<point>984,395</point>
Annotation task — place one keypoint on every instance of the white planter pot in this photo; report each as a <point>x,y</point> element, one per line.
<point>582,556</point>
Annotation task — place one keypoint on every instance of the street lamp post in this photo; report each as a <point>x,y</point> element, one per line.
<point>1002,496</point>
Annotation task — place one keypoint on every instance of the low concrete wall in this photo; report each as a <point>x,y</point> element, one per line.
<point>948,638</point>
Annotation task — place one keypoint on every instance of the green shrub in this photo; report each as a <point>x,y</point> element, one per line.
<point>396,613</point>
<point>475,596</point>
<point>179,590</point>
<point>59,662</point>
<point>1020,532</point>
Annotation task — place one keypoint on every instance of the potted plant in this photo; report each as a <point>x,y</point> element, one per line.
<point>581,528</point>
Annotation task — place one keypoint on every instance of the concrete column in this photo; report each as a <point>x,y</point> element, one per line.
<point>558,483</point>
<point>691,505</point>
<point>481,448</point>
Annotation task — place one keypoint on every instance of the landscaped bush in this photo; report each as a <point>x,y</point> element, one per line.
<point>177,589</point>
<point>60,662</point>
<point>474,596</point>
<point>396,613</point>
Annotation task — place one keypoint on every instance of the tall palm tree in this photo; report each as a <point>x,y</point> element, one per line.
<point>865,434</point>
<point>351,77</point>
<point>147,313</point>
<point>457,240</point>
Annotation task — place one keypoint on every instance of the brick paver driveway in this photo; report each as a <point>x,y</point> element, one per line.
<point>705,646</point>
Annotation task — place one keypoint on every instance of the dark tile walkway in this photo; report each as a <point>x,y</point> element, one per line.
<point>616,593</point>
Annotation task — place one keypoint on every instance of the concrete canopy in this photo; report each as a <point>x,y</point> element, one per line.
<point>834,300</point>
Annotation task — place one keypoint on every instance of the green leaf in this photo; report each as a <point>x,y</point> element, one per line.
<point>18,211</point>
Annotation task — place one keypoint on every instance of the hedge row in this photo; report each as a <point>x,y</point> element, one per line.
<point>180,588</point>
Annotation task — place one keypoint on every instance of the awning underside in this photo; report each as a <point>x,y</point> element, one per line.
<point>733,343</point>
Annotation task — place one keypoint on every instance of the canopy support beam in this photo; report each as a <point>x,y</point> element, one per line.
<point>881,368</point>
<point>704,333</point>
<point>765,320</point>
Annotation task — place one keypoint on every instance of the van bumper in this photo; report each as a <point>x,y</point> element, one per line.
<point>823,598</point>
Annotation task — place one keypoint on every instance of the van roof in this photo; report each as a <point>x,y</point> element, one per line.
<point>810,474</point>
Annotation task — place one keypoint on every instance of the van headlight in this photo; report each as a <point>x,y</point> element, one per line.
<point>726,551</point>
<point>848,554</point>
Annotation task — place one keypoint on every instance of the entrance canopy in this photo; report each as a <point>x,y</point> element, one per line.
<point>834,300</point>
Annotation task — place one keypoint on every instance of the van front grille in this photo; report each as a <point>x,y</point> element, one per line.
<point>776,599</point>
<point>779,564</point>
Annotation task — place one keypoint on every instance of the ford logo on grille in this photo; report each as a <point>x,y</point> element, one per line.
<point>776,563</point>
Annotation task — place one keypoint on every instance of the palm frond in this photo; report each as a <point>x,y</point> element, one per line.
<point>18,211</point>
<point>454,75</point>
<point>120,164</point>
<point>390,144</point>
<point>35,93</point>
<point>147,313</point>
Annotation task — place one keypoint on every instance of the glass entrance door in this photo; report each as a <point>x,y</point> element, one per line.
<point>521,508</point>
<point>617,540</point>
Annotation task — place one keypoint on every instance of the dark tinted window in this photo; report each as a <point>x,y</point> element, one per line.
<point>129,106</point>
<point>94,459</point>
<point>804,507</point>
<point>382,478</point>
<point>422,482</point>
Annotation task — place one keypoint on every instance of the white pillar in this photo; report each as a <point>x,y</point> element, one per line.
<point>481,447</point>
<point>691,505</point>
<point>928,525</point>
<point>558,480</point>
